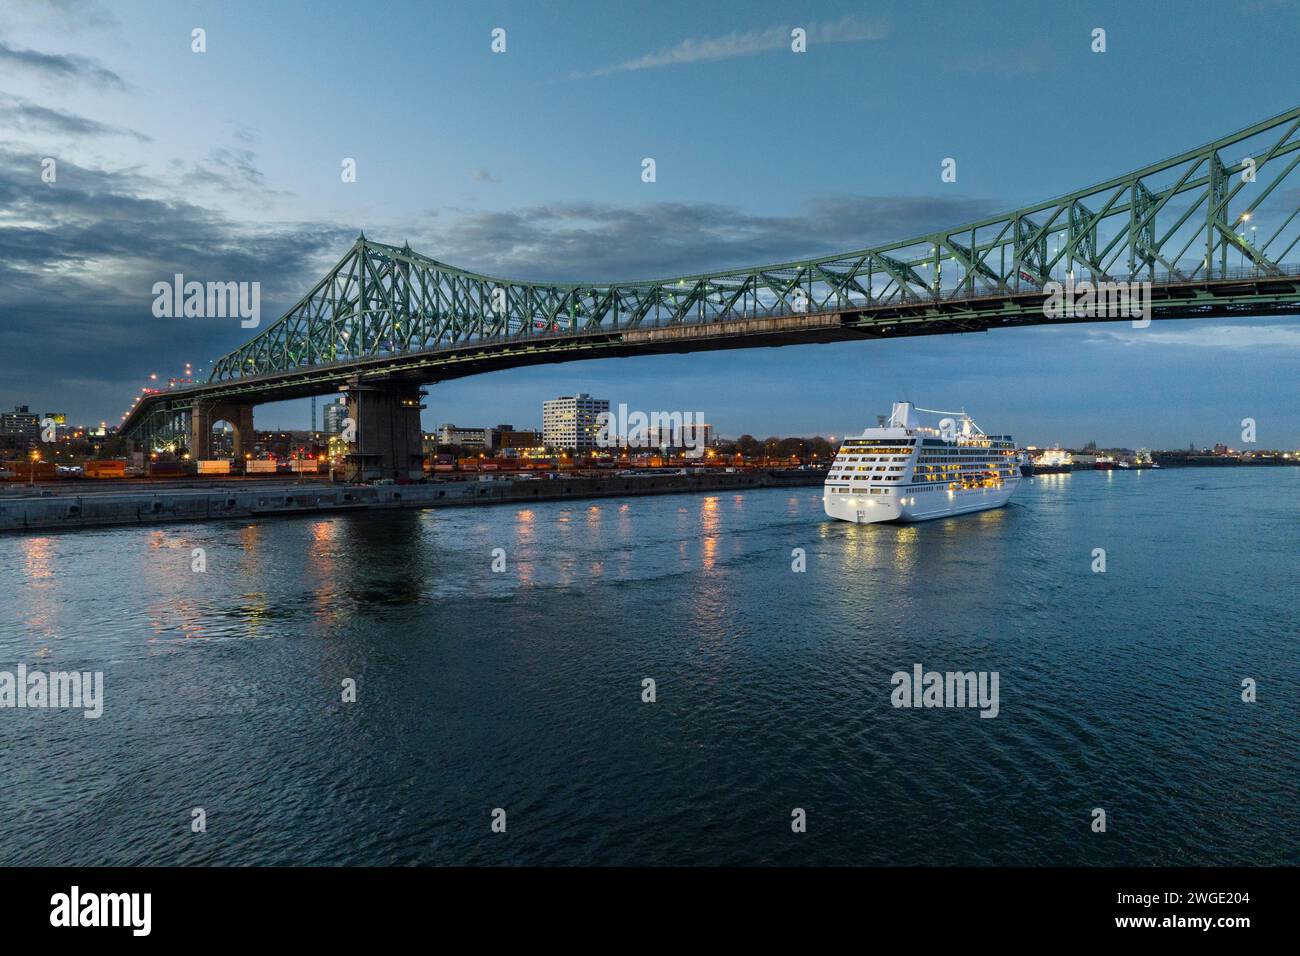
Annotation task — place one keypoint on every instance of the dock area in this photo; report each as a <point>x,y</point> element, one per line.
<point>71,508</point>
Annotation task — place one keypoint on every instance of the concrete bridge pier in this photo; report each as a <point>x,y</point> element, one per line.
<point>386,444</point>
<point>206,414</point>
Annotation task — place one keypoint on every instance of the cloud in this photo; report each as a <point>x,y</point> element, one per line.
<point>481,175</point>
<point>57,66</point>
<point>226,169</point>
<point>598,242</point>
<point>1199,336</point>
<point>78,258</point>
<point>77,262</point>
<point>70,16</point>
<point>29,117</point>
<point>104,233</point>
<point>849,29</point>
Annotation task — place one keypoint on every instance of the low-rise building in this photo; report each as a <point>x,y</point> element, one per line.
<point>462,437</point>
<point>507,437</point>
<point>684,435</point>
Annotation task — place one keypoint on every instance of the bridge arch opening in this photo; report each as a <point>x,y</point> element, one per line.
<point>221,430</point>
<point>222,440</point>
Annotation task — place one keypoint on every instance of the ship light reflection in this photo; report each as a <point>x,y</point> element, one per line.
<point>525,533</point>
<point>323,556</point>
<point>710,522</point>
<point>38,557</point>
<point>40,610</point>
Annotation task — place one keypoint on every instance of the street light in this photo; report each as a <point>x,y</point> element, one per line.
<point>1245,217</point>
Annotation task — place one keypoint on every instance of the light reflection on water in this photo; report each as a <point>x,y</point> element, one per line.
<point>523,687</point>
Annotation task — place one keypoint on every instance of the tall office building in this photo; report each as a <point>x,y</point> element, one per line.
<point>570,422</point>
<point>335,412</point>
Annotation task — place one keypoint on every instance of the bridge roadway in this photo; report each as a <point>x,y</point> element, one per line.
<point>1240,296</point>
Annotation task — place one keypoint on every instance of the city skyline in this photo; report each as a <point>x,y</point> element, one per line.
<point>269,423</point>
<point>214,180</point>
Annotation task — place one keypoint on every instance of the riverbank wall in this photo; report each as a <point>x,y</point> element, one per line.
<point>50,511</point>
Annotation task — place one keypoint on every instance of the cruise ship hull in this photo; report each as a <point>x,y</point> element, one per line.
<point>864,509</point>
<point>907,471</point>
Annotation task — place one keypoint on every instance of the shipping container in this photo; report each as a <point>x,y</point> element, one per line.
<point>23,470</point>
<point>105,468</point>
<point>169,469</point>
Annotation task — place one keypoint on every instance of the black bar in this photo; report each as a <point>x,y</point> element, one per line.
<point>335,905</point>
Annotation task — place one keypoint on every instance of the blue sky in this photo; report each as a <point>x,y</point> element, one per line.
<point>225,165</point>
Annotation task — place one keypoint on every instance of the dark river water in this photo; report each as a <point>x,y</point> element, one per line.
<point>522,689</point>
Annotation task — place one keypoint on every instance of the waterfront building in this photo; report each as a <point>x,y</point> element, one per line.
<point>570,422</point>
<point>462,437</point>
<point>692,435</point>
<point>507,437</point>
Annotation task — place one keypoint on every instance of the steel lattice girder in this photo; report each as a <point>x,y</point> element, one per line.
<point>165,425</point>
<point>1171,223</point>
<point>382,300</point>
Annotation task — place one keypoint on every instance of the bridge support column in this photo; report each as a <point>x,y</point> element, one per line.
<point>387,438</point>
<point>206,414</point>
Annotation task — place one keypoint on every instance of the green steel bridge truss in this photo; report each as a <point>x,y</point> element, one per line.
<point>1215,231</point>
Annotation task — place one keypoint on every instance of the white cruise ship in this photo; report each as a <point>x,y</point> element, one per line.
<point>906,471</point>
